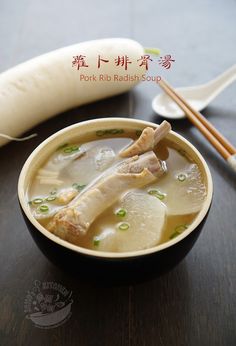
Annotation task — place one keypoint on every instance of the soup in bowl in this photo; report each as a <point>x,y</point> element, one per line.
<point>118,199</point>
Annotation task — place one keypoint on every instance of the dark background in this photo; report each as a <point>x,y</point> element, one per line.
<point>195,304</point>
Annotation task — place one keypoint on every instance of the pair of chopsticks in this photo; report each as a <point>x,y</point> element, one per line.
<point>218,141</point>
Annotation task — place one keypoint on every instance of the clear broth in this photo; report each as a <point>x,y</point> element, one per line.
<point>181,190</point>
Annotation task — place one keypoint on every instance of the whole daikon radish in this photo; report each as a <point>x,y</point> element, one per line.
<point>48,84</point>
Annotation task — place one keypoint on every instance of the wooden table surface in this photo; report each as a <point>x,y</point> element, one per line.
<point>195,304</point>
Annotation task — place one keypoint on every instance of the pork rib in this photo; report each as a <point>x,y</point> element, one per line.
<point>74,221</point>
<point>147,141</point>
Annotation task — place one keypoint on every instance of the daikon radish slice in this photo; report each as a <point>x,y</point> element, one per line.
<point>49,181</point>
<point>140,228</point>
<point>184,190</point>
<point>47,173</point>
<point>96,158</point>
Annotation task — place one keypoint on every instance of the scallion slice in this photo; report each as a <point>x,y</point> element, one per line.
<point>123,226</point>
<point>53,192</point>
<point>62,146</point>
<point>121,212</point>
<point>51,198</point>
<point>44,208</point>
<point>67,150</point>
<point>181,177</point>
<point>101,133</point>
<point>78,187</point>
<point>114,131</point>
<point>37,201</point>
<point>181,228</point>
<point>173,235</point>
<point>178,230</point>
<point>96,241</point>
<point>71,149</point>
<point>157,193</point>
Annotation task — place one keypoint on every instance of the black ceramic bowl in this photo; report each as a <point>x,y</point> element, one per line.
<point>106,266</point>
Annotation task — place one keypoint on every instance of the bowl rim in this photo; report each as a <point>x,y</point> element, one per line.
<point>112,255</point>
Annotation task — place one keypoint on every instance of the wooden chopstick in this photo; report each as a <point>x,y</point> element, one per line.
<point>228,146</point>
<point>221,144</point>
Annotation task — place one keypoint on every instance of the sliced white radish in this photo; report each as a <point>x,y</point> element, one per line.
<point>49,181</point>
<point>183,189</point>
<point>99,155</point>
<point>140,228</point>
<point>47,173</point>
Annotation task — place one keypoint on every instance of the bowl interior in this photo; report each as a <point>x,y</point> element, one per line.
<point>43,151</point>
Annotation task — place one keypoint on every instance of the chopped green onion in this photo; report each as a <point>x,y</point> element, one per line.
<point>37,201</point>
<point>44,208</point>
<point>101,133</point>
<point>138,133</point>
<point>96,241</point>
<point>121,212</point>
<point>178,230</point>
<point>62,146</point>
<point>115,131</point>
<point>123,226</point>
<point>75,148</point>
<point>181,228</point>
<point>173,235</point>
<point>182,177</point>
<point>53,192</point>
<point>67,150</point>
<point>78,186</point>
<point>71,149</point>
<point>51,198</point>
<point>30,202</point>
<point>157,193</point>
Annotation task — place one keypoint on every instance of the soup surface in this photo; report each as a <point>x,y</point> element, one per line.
<point>140,217</point>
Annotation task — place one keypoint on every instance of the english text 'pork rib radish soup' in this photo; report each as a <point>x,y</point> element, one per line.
<point>118,190</point>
